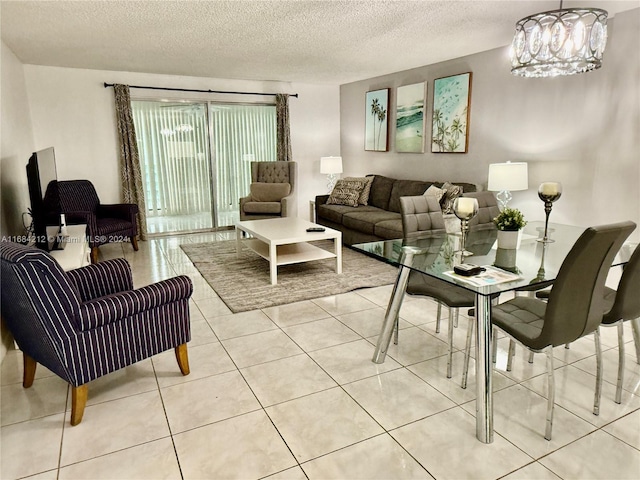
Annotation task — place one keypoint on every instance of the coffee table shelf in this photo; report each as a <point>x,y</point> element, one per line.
<point>290,253</point>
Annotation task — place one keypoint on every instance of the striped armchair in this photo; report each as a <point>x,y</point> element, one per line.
<point>89,322</point>
<point>105,223</point>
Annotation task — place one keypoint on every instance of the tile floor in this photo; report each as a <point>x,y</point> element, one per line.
<point>290,392</point>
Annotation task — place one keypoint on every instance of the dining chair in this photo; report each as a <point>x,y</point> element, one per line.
<point>575,305</point>
<point>623,305</point>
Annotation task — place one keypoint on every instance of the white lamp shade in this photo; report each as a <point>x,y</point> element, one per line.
<point>509,176</point>
<point>329,165</point>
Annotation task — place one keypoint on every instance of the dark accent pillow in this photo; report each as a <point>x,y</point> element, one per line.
<point>381,191</point>
<point>451,193</point>
<point>346,192</point>
<point>364,195</point>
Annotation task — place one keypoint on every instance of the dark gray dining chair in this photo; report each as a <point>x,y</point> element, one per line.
<point>575,303</point>
<point>623,305</point>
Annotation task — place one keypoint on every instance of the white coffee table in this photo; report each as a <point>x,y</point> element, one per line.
<point>283,241</point>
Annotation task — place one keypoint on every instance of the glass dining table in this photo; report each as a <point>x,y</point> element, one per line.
<point>532,265</point>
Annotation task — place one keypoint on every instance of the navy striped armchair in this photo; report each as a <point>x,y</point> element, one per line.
<point>105,223</point>
<point>86,323</point>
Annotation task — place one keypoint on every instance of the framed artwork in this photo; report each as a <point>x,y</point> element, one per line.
<point>410,118</point>
<point>376,136</point>
<point>451,102</point>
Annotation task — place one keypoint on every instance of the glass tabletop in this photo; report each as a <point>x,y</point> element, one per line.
<point>532,265</point>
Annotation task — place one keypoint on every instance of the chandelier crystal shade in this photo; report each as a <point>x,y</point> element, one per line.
<point>559,42</point>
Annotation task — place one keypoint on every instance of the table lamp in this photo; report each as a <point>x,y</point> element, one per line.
<point>331,166</point>
<point>505,178</point>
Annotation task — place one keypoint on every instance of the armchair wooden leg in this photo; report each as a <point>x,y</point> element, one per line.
<point>94,255</point>
<point>134,242</point>
<point>29,370</point>
<point>182,358</point>
<point>78,401</point>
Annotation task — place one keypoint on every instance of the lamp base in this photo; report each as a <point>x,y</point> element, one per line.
<point>504,197</point>
<point>332,178</point>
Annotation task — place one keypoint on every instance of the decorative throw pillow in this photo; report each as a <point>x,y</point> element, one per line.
<point>364,195</point>
<point>451,193</point>
<point>346,192</point>
<point>269,192</point>
<point>436,192</point>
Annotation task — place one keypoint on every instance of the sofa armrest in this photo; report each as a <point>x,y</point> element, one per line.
<point>102,279</point>
<point>105,310</point>
<point>288,206</point>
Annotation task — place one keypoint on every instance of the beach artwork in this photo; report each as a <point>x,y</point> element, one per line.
<point>450,127</point>
<point>410,118</point>
<point>376,121</point>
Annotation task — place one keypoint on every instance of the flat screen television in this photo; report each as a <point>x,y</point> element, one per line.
<point>43,194</point>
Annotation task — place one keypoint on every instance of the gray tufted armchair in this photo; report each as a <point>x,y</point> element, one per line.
<point>272,191</point>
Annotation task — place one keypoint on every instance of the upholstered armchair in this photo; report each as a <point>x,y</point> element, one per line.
<point>272,191</point>
<point>89,322</point>
<point>105,223</point>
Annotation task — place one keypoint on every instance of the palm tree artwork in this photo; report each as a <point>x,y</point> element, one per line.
<point>376,120</point>
<point>451,98</point>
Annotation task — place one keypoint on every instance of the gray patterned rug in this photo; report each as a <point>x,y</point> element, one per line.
<point>242,282</point>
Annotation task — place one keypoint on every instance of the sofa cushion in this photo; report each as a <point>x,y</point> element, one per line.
<point>366,221</point>
<point>335,213</point>
<point>269,192</point>
<point>389,229</point>
<point>346,192</point>
<point>405,188</point>
<point>366,191</point>
<point>381,191</point>
<point>262,207</point>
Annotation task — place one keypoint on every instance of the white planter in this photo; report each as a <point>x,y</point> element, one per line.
<point>509,240</point>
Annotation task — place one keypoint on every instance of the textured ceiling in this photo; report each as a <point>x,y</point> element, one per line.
<point>328,41</point>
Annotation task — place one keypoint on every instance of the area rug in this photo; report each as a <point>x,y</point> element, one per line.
<point>242,282</point>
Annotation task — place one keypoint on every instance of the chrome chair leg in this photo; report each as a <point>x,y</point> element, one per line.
<point>551,392</point>
<point>439,312</point>
<point>396,329</point>
<point>620,327</point>
<point>450,334</point>
<point>531,356</point>
<point>510,354</point>
<point>455,319</point>
<point>467,354</point>
<point>635,328</point>
<point>494,341</point>
<point>598,393</point>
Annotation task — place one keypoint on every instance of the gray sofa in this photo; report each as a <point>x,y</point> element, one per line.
<point>381,218</point>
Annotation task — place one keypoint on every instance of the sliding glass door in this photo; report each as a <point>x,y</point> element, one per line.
<point>195,160</point>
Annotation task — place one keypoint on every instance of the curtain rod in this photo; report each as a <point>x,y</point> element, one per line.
<point>199,91</point>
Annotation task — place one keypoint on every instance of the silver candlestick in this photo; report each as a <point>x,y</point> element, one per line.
<point>548,192</point>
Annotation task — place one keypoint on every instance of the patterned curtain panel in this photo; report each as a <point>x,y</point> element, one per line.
<point>129,160</point>
<point>283,133</point>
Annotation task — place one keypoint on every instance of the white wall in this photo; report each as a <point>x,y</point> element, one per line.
<point>583,130</point>
<point>73,112</point>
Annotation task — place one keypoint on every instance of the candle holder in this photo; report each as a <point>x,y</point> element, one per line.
<point>548,192</point>
<point>465,209</point>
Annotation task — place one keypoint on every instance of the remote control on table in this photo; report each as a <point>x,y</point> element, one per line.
<point>315,229</point>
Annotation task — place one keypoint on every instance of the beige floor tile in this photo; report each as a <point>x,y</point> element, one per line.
<point>239,324</point>
<point>414,345</point>
<point>631,380</point>
<point>522,370</point>
<point>321,423</point>
<point>201,333</point>
<point>378,295</point>
<point>626,429</point>
<point>46,396</point>
<point>420,310</point>
<point>398,397</point>
<point>575,390</point>
<point>434,372</point>
<point>137,378</point>
<point>286,379</point>
<point>533,471</point>
<point>319,334</point>
<point>156,460</point>
<point>295,313</point>
<point>204,361</point>
<point>446,445</point>
<point>519,415</point>
<point>598,455</point>
<point>207,400</point>
<point>368,323</point>
<point>260,347</point>
<point>294,473</point>
<point>30,447</point>
<point>244,447</point>
<point>376,458</point>
<point>349,362</point>
<point>112,426</point>
<point>49,475</point>
<point>12,369</point>
<point>212,307</point>
<point>344,303</point>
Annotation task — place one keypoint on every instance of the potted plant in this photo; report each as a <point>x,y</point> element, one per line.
<point>509,222</point>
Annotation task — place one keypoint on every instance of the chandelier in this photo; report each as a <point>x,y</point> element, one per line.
<point>559,42</point>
